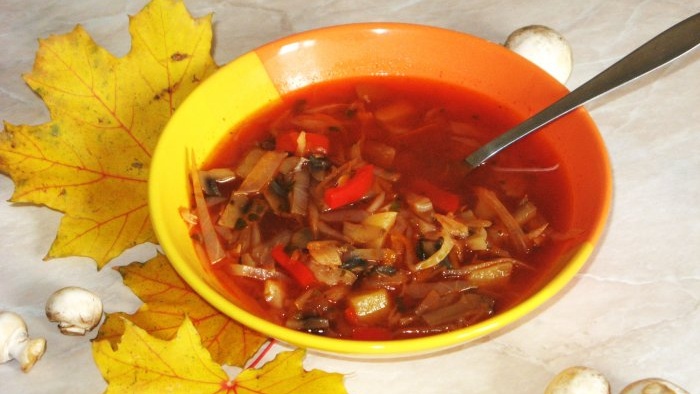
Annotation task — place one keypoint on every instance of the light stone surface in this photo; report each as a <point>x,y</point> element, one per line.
<point>633,311</point>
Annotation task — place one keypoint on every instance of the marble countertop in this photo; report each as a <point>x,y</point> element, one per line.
<point>633,311</point>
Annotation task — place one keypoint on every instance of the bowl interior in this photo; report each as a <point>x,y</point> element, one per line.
<point>261,77</point>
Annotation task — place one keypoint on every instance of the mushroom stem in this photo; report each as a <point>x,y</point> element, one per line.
<point>28,352</point>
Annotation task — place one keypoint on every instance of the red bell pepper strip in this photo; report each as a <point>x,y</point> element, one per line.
<point>300,272</point>
<point>352,190</point>
<point>443,200</point>
<point>315,143</point>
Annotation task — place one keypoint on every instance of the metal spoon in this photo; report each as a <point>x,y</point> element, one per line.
<point>663,48</point>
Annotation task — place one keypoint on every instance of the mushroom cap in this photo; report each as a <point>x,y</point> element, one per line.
<point>76,310</point>
<point>15,343</point>
<point>578,380</point>
<point>544,47</point>
<point>652,386</point>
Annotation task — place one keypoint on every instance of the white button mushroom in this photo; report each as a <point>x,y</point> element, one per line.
<point>652,386</point>
<point>15,343</point>
<point>76,310</point>
<point>578,380</point>
<point>544,47</point>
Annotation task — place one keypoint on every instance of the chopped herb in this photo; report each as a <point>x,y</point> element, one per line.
<point>240,224</point>
<point>395,206</point>
<point>446,263</point>
<point>427,247</point>
<point>280,186</point>
<point>354,264</point>
<point>317,162</point>
<point>388,270</point>
<point>211,187</point>
<point>268,144</point>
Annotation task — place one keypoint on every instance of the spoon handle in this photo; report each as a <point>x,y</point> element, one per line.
<point>658,51</point>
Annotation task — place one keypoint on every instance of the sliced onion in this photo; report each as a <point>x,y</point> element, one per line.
<point>419,204</point>
<point>300,193</point>
<point>478,240</point>
<point>363,234</point>
<point>469,307</point>
<point>495,275</point>
<point>553,167</point>
<point>291,163</point>
<point>325,229</point>
<point>331,275</point>
<point>438,256</point>
<point>249,161</point>
<point>419,290</point>
<point>325,252</point>
<point>385,256</point>
<point>262,172</point>
<point>274,293</point>
<point>253,272</point>
<point>376,202</point>
<point>212,245</point>
<point>452,226</point>
<point>389,282</point>
<point>432,301</point>
<point>424,227</point>
<point>188,216</point>
<point>516,235</point>
<point>211,179</point>
<point>470,220</point>
<point>525,212</point>
<point>234,211</point>
<point>471,268</point>
<point>537,235</point>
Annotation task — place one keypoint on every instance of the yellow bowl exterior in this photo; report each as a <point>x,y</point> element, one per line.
<point>261,77</point>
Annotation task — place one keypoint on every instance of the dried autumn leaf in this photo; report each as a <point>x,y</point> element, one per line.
<point>167,300</point>
<point>91,160</point>
<point>144,364</point>
<point>284,375</point>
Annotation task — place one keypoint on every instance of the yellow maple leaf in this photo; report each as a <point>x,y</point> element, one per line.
<point>167,300</point>
<point>91,160</point>
<point>144,364</point>
<point>285,375</point>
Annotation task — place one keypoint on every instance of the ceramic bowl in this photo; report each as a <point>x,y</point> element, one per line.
<point>260,77</point>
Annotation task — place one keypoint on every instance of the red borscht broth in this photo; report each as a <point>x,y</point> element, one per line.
<point>346,210</point>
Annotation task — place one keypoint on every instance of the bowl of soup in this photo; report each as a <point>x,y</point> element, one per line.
<point>315,190</point>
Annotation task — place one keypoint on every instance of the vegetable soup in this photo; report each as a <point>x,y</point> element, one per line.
<point>346,210</point>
